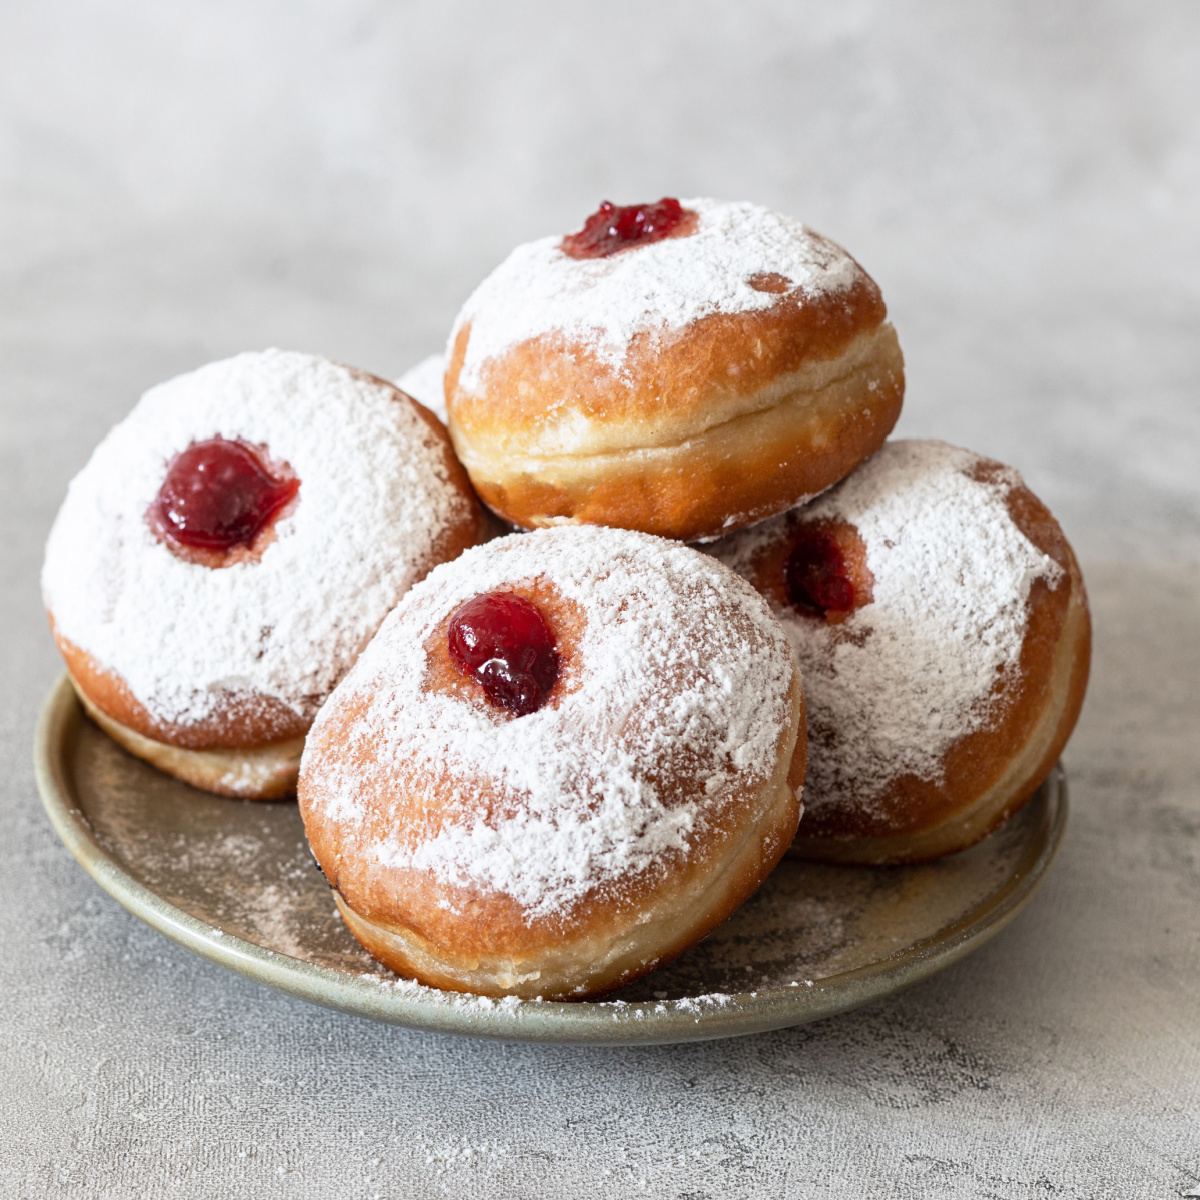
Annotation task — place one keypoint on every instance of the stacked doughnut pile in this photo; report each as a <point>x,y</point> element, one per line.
<point>541,763</point>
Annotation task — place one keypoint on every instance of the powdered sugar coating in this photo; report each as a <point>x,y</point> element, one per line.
<point>423,382</point>
<point>682,673</point>
<point>659,287</point>
<point>894,686</point>
<point>375,499</point>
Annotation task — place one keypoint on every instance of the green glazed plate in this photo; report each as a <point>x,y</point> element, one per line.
<point>235,883</point>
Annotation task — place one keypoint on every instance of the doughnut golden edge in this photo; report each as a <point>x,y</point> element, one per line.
<point>1024,773</point>
<point>260,773</point>
<point>603,956</point>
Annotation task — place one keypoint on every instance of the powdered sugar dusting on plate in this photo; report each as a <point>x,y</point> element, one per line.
<point>658,287</point>
<point>374,499</point>
<point>902,679</point>
<point>682,672</point>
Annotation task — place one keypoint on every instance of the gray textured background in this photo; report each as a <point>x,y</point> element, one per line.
<point>179,183</point>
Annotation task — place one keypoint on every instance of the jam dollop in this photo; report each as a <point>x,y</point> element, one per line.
<point>816,574</point>
<point>219,494</point>
<point>612,228</point>
<point>501,640</point>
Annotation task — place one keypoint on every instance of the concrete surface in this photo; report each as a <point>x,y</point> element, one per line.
<point>180,183</point>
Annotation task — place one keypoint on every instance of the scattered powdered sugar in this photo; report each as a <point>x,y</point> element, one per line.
<point>890,689</point>
<point>659,287</point>
<point>449,1155</point>
<point>423,382</point>
<point>374,498</point>
<point>518,1007</point>
<point>681,672</point>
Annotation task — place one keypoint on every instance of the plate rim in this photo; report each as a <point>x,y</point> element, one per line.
<point>602,1022</point>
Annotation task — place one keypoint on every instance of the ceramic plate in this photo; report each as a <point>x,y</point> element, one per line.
<point>234,882</point>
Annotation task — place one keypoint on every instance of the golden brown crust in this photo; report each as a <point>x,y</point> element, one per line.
<point>672,386</point>
<point>733,419</point>
<point>993,789</point>
<point>991,773</point>
<point>266,772</point>
<point>413,898</point>
<point>611,950</point>
<point>466,938</point>
<point>243,721</point>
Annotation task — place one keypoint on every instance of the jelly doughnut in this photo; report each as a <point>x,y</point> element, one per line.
<point>232,545</point>
<point>940,619</point>
<point>682,369</point>
<point>564,758</point>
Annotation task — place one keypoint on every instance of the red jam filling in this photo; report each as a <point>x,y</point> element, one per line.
<point>218,495</point>
<point>816,576</point>
<point>611,228</point>
<point>501,640</point>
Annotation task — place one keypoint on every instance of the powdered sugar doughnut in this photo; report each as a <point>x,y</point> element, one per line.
<point>941,622</point>
<point>566,851</point>
<point>717,364</point>
<point>209,657</point>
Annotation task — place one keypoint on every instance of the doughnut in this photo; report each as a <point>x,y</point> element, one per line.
<point>940,619</point>
<point>232,545</point>
<point>682,369</point>
<point>564,758</point>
